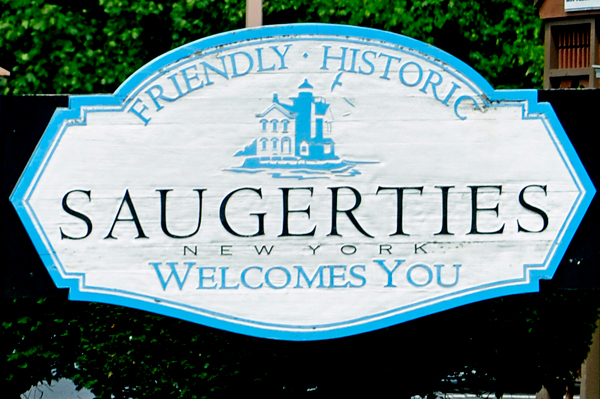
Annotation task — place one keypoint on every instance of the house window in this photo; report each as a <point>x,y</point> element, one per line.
<point>286,145</point>
<point>304,148</point>
<point>573,46</point>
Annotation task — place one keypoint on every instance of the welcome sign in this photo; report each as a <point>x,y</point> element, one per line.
<point>302,182</point>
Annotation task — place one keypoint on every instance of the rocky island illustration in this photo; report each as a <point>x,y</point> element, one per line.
<point>291,142</point>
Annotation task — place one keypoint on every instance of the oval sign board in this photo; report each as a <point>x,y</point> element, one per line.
<point>302,182</point>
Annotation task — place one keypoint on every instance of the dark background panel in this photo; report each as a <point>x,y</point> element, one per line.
<point>23,120</point>
<point>579,113</point>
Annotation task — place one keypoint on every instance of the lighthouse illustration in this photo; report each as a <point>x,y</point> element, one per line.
<point>292,138</point>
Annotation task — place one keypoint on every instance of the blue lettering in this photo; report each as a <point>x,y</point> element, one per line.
<point>326,57</point>
<point>260,62</point>
<point>420,265</point>
<point>282,56</point>
<point>214,69</point>
<point>458,101</point>
<point>268,279</point>
<point>234,65</point>
<point>388,271</point>
<point>428,81</point>
<point>224,280</point>
<point>155,97</point>
<point>387,64</point>
<point>358,276</point>
<point>333,276</point>
<point>176,84</point>
<point>138,113</point>
<point>310,282</point>
<point>243,277</point>
<point>173,273</point>
<point>202,277</point>
<point>188,78</point>
<point>450,93</point>
<point>439,275</point>
<point>369,63</point>
<point>354,51</point>
<point>401,73</point>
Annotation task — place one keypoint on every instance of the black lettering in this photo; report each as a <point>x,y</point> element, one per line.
<point>286,211</point>
<point>264,248</point>
<point>186,249</point>
<point>420,248</point>
<point>225,250</point>
<point>348,212</point>
<point>163,213</point>
<point>532,208</point>
<point>475,209</point>
<point>385,247</point>
<point>261,216</point>
<point>315,248</point>
<point>399,205</point>
<point>134,218</point>
<point>79,215</point>
<point>444,229</point>
<point>348,249</point>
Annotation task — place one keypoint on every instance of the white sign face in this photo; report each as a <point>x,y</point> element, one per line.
<point>303,182</point>
<point>581,5</point>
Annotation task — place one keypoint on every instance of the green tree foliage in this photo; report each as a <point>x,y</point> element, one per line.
<point>498,38</point>
<point>64,46</point>
<point>89,46</point>
<point>511,344</point>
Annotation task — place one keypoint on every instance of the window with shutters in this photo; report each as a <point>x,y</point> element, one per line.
<point>571,51</point>
<point>573,46</point>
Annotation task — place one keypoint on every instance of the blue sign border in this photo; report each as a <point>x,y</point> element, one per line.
<point>123,95</point>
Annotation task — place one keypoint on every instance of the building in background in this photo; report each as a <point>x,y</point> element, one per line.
<point>571,43</point>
